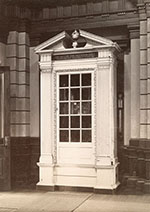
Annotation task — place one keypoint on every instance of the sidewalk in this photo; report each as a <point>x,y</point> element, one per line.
<point>35,201</point>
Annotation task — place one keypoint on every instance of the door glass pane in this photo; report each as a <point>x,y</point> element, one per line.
<point>86,121</point>
<point>75,80</point>
<point>75,135</point>
<point>86,136</point>
<point>86,107</point>
<point>86,79</point>
<point>75,108</point>
<point>64,108</point>
<point>64,93</point>
<point>75,94</point>
<point>64,122</point>
<point>86,93</point>
<point>75,122</point>
<point>64,136</point>
<point>63,81</point>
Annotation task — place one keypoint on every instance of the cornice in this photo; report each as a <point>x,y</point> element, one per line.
<point>52,3</point>
<point>44,23</point>
<point>134,30</point>
<point>144,9</point>
<point>39,10</point>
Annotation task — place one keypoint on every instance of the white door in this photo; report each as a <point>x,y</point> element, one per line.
<point>75,118</point>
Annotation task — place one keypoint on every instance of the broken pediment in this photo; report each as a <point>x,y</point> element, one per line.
<point>78,39</point>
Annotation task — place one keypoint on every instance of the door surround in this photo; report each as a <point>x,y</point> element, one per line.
<point>97,55</point>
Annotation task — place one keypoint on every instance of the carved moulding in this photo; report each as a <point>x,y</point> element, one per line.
<point>55,105</point>
<point>45,67</point>
<point>55,118</point>
<point>103,67</point>
<point>46,70</point>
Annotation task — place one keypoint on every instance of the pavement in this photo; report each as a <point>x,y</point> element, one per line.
<point>44,201</point>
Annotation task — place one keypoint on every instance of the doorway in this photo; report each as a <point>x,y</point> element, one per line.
<point>5,182</point>
<point>120,114</point>
<point>75,117</point>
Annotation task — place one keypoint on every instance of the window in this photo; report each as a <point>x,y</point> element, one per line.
<point>75,107</point>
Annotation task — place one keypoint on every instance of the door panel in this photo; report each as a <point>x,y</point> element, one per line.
<point>75,141</point>
<point>4,129</point>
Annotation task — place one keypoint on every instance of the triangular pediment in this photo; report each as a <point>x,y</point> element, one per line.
<point>64,41</point>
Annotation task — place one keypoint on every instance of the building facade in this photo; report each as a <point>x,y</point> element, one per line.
<point>31,29</point>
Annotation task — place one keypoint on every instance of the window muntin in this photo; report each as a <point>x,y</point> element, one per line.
<point>75,107</point>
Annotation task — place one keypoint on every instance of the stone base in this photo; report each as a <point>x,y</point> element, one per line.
<point>106,191</point>
<point>45,188</point>
<point>102,179</point>
<point>76,189</point>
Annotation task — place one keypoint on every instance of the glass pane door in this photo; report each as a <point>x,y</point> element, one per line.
<point>75,107</point>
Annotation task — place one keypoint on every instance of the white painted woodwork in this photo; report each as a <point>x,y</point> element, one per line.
<point>79,164</point>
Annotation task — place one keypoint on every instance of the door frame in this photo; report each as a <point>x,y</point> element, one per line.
<point>5,179</point>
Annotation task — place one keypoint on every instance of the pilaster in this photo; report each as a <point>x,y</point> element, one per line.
<point>143,70</point>
<point>18,60</point>
<point>34,91</point>
<point>144,12</point>
<point>135,84</point>
<point>46,92</point>
<point>104,98</point>
<point>106,136</point>
<point>148,70</point>
<point>127,98</point>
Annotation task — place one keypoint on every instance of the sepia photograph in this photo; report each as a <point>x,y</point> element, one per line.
<point>74,105</point>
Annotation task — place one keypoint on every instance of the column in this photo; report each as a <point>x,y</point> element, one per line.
<point>12,61</point>
<point>106,121</point>
<point>34,117</point>
<point>143,77</point>
<point>145,69</point>
<point>127,98</point>
<point>135,86</point>
<point>46,125</point>
<point>147,152</point>
<point>34,91</point>
<point>148,78</point>
<point>18,61</point>
<point>24,83</point>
